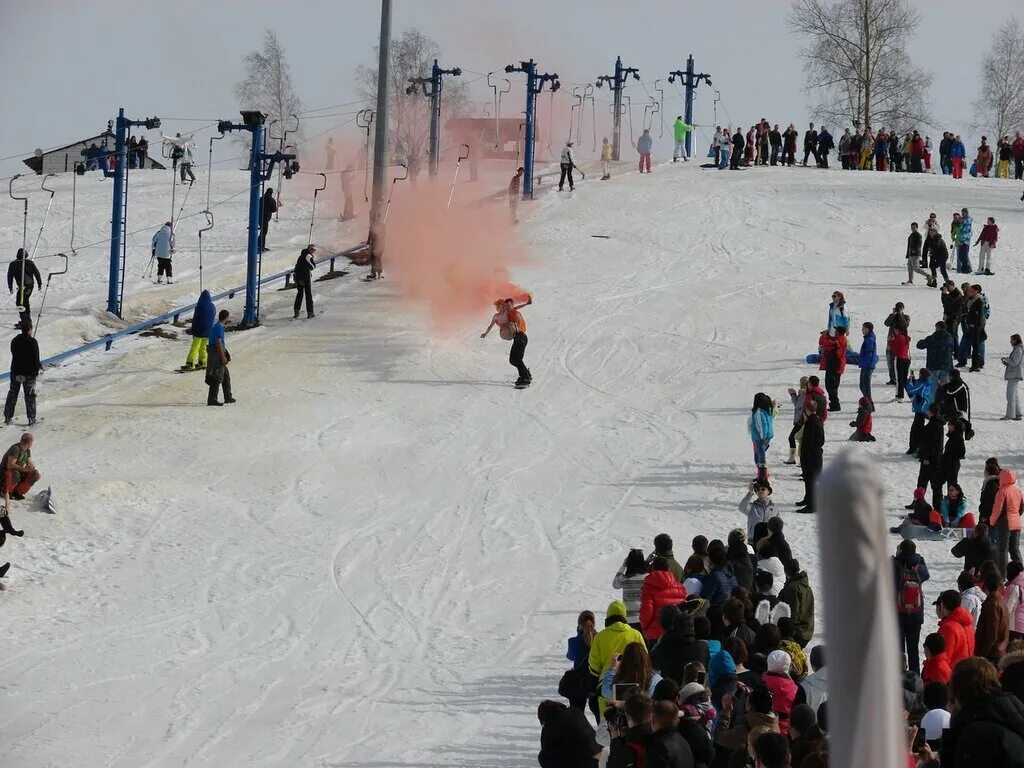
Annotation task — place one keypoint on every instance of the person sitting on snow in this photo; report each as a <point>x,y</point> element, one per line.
<point>18,476</point>
<point>863,423</point>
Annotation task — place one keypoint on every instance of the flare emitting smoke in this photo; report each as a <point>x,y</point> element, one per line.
<point>451,263</point>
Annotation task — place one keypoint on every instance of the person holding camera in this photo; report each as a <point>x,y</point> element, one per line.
<point>630,730</point>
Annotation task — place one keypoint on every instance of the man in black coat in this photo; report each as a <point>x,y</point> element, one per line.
<point>929,449</point>
<point>775,139</point>
<point>268,207</point>
<point>952,309</point>
<point>667,748</point>
<point>566,737</point>
<point>738,144</point>
<point>23,267</point>
<point>25,366</point>
<point>937,254</point>
<point>629,745</point>
<point>810,144</point>
<point>974,330</point>
<point>975,549</point>
<point>811,455</point>
<point>303,277</point>
<point>677,648</point>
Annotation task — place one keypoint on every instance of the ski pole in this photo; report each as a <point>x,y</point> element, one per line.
<point>392,192</point>
<point>312,214</point>
<point>207,228</point>
<point>455,177</point>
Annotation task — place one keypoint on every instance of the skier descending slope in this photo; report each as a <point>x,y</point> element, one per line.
<point>512,327</point>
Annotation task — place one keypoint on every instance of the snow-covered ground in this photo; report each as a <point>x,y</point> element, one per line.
<point>375,557</point>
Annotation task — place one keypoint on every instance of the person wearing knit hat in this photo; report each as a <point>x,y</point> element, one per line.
<point>678,647</point>
<point>782,687</point>
<point>920,511</point>
<point>611,641</point>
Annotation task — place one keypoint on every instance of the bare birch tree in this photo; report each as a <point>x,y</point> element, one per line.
<point>856,61</point>
<point>412,55</point>
<point>1001,103</point>
<point>267,86</point>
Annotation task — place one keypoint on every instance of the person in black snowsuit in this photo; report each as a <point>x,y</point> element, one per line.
<point>810,144</point>
<point>929,449</point>
<point>566,737</point>
<point>303,276</point>
<point>268,207</point>
<point>775,139</point>
<point>738,145</point>
<point>937,254</point>
<point>825,145</point>
<point>25,366</point>
<point>23,265</point>
<point>811,448</point>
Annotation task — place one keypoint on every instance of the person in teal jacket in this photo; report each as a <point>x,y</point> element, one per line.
<point>762,430</point>
<point>922,393</point>
<point>680,130</point>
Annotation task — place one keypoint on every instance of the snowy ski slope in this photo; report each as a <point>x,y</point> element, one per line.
<point>375,557</point>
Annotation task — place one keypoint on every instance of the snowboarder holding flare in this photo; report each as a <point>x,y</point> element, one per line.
<point>512,327</point>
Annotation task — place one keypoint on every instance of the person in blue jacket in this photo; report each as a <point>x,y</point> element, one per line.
<point>202,323</point>
<point>940,349</point>
<point>922,394</point>
<point>867,360</point>
<point>762,430</point>
<point>644,145</point>
<point>957,153</point>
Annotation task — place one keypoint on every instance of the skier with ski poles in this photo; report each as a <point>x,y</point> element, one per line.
<point>512,327</point>
<point>163,247</point>
<point>22,272</point>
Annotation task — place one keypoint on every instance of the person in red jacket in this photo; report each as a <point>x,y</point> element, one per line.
<point>899,345</point>
<point>659,590</point>
<point>833,363</point>
<point>956,626</point>
<point>936,663</point>
<point>815,394</point>
<point>863,423</point>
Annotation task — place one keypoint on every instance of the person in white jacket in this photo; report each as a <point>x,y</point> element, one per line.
<point>1013,374</point>
<point>630,579</point>
<point>567,164</point>
<point>163,247</point>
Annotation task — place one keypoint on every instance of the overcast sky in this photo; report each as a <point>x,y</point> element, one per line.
<point>69,64</point>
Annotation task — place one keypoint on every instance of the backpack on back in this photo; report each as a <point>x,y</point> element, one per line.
<point>910,595</point>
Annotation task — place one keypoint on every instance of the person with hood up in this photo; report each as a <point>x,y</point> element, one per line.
<point>678,647</point>
<point>203,318</point>
<point>24,273</point>
<point>975,549</point>
<point>659,589</point>
<point>987,240</point>
<point>987,723</point>
<point>757,505</point>
<point>644,145</point>
<point>797,397</point>
<point>1014,595</point>
<point>939,353</point>
<point>611,641</point>
<point>268,207</point>
<point>781,686</point>
<point>797,594</point>
<point>833,363</point>
<point>863,424</point>
<point>811,449</point>
<point>680,130</point>
<point>992,634</point>
<point>663,548</point>
<point>567,740</point>
<point>630,579</point>
<point>761,426</point>
<point>911,572</point>
<point>956,626</point>
<point>867,359</point>
<point>1013,374</point>
<point>567,164</point>
<point>825,145</point>
<point>1006,519</point>
<point>922,393</point>
<point>163,247</point>
<point>719,584</point>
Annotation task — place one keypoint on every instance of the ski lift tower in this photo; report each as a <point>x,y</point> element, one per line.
<point>434,94</point>
<point>534,85</point>
<point>617,82</point>
<point>691,81</point>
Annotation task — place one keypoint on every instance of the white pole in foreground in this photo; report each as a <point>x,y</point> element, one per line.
<point>865,719</point>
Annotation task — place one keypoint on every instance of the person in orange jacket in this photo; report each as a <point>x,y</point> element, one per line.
<point>659,590</point>
<point>1005,519</point>
<point>833,363</point>
<point>955,625</point>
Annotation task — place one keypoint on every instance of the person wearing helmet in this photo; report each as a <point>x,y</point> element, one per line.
<point>568,162</point>
<point>163,247</point>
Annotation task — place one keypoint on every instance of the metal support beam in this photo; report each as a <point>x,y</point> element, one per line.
<point>616,82</point>
<point>690,81</point>
<point>534,85</point>
<point>380,141</point>
<point>434,94</point>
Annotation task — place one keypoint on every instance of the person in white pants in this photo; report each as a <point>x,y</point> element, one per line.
<point>987,240</point>
<point>1013,375</point>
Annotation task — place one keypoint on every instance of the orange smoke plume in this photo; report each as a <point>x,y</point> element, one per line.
<point>454,264</point>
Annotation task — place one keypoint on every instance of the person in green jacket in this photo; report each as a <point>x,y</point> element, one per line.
<point>663,548</point>
<point>681,130</point>
<point>611,641</point>
<point>797,594</point>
